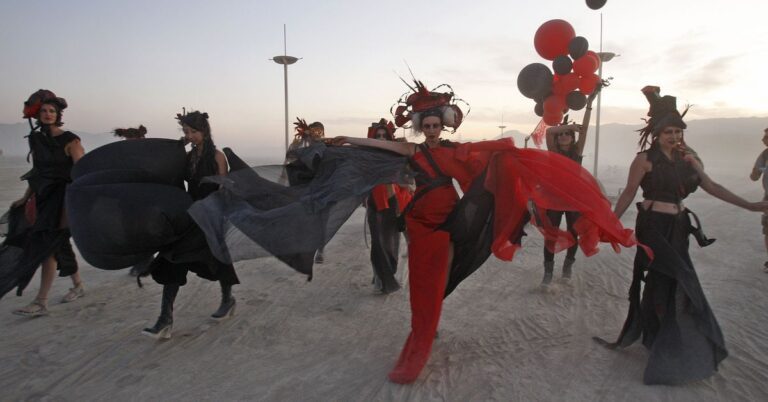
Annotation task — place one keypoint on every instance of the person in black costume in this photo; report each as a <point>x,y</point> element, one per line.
<point>670,312</point>
<point>54,152</point>
<point>202,160</point>
<point>384,207</point>
<point>562,139</point>
<point>306,135</point>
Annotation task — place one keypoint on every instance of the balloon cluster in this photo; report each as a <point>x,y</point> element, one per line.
<point>574,75</point>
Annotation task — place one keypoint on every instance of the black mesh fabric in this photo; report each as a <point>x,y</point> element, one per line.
<point>23,250</point>
<point>251,216</point>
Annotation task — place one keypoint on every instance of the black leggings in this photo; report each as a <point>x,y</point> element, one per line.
<point>555,217</point>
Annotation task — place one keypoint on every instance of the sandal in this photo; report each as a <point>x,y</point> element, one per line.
<point>37,308</point>
<point>74,293</point>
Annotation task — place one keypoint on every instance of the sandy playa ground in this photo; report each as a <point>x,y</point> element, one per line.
<point>335,339</point>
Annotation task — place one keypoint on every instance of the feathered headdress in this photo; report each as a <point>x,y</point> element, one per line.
<point>412,105</point>
<point>131,132</point>
<point>301,128</point>
<point>385,125</point>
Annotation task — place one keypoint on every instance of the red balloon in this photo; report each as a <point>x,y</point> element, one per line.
<point>585,65</point>
<point>570,82</point>
<point>553,119</point>
<point>558,85</point>
<point>588,83</point>
<point>554,104</point>
<point>552,38</point>
<point>595,56</point>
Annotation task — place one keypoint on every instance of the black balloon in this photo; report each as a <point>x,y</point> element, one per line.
<point>535,81</point>
<point>576,100</point>
<point>578,47</point>
<point>562,65</point>
<point>539,109</point>
<point>596,4</point>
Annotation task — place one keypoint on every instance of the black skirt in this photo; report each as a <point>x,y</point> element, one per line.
<point>385,244</point>
<point>670,312</point>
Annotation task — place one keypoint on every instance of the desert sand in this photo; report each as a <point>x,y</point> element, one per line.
<point>334,338</point>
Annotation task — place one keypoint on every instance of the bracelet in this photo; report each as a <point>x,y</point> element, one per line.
<point>589,108</point>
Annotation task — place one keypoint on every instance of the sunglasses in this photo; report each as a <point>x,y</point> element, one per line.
<point>562,134</point>
<point>673,131</point>
<point>431,126</point>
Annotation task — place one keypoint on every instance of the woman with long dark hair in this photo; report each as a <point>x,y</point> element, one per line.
<point>670,311</point>
<point>202,160</point>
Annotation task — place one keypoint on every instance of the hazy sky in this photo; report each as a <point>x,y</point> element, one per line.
<point>124,63</point>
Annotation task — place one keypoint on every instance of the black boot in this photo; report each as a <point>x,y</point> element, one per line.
<point>567,265</point>
<point>549,268</point>
<point>227,306</point>
<point>162,328</point>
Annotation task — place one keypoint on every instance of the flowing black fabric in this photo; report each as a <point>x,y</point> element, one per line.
<point>385,244</point>
<point>23,250</point>
<point>127,202</point>
<point>672,315</point>
<point>28,244</point>
<point>251,216</point>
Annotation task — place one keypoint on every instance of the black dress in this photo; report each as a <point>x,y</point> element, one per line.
<point>166,272</point>
<point>670,312</point>
<point>26,247</point>
<point>385,242</point>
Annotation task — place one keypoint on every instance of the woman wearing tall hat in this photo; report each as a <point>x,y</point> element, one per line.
<point>668,308</point>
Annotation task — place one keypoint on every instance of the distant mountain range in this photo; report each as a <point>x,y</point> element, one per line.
<point>13,143</point>
<point>728,143</point>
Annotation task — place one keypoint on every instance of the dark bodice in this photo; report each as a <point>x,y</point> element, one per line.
<point>571,154</point>
<point>197,169</point>
<point>50,163</point>
<point>669,180</point>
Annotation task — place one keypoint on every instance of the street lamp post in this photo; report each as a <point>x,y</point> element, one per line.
<point>285,60</point>
<point>604,58</point>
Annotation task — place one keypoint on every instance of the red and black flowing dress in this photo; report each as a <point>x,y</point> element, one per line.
<point>501,180</point>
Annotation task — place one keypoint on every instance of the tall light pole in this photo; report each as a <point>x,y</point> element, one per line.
<point>604,58</point>
<point>285,60</point>
<point>502,126</point>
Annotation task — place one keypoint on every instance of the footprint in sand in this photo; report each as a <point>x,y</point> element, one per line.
<point>129,379</point>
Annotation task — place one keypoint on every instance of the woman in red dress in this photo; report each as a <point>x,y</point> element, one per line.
<point>512,176</point>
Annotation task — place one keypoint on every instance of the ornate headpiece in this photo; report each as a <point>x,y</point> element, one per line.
<point>301,128</point>
<point>36,100</point>
<point>306,131</point>
<point>131,133</point>
<point>413,106</point>
<point>662,113</point>
<point>382,124</point>
<point>196,119</point>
